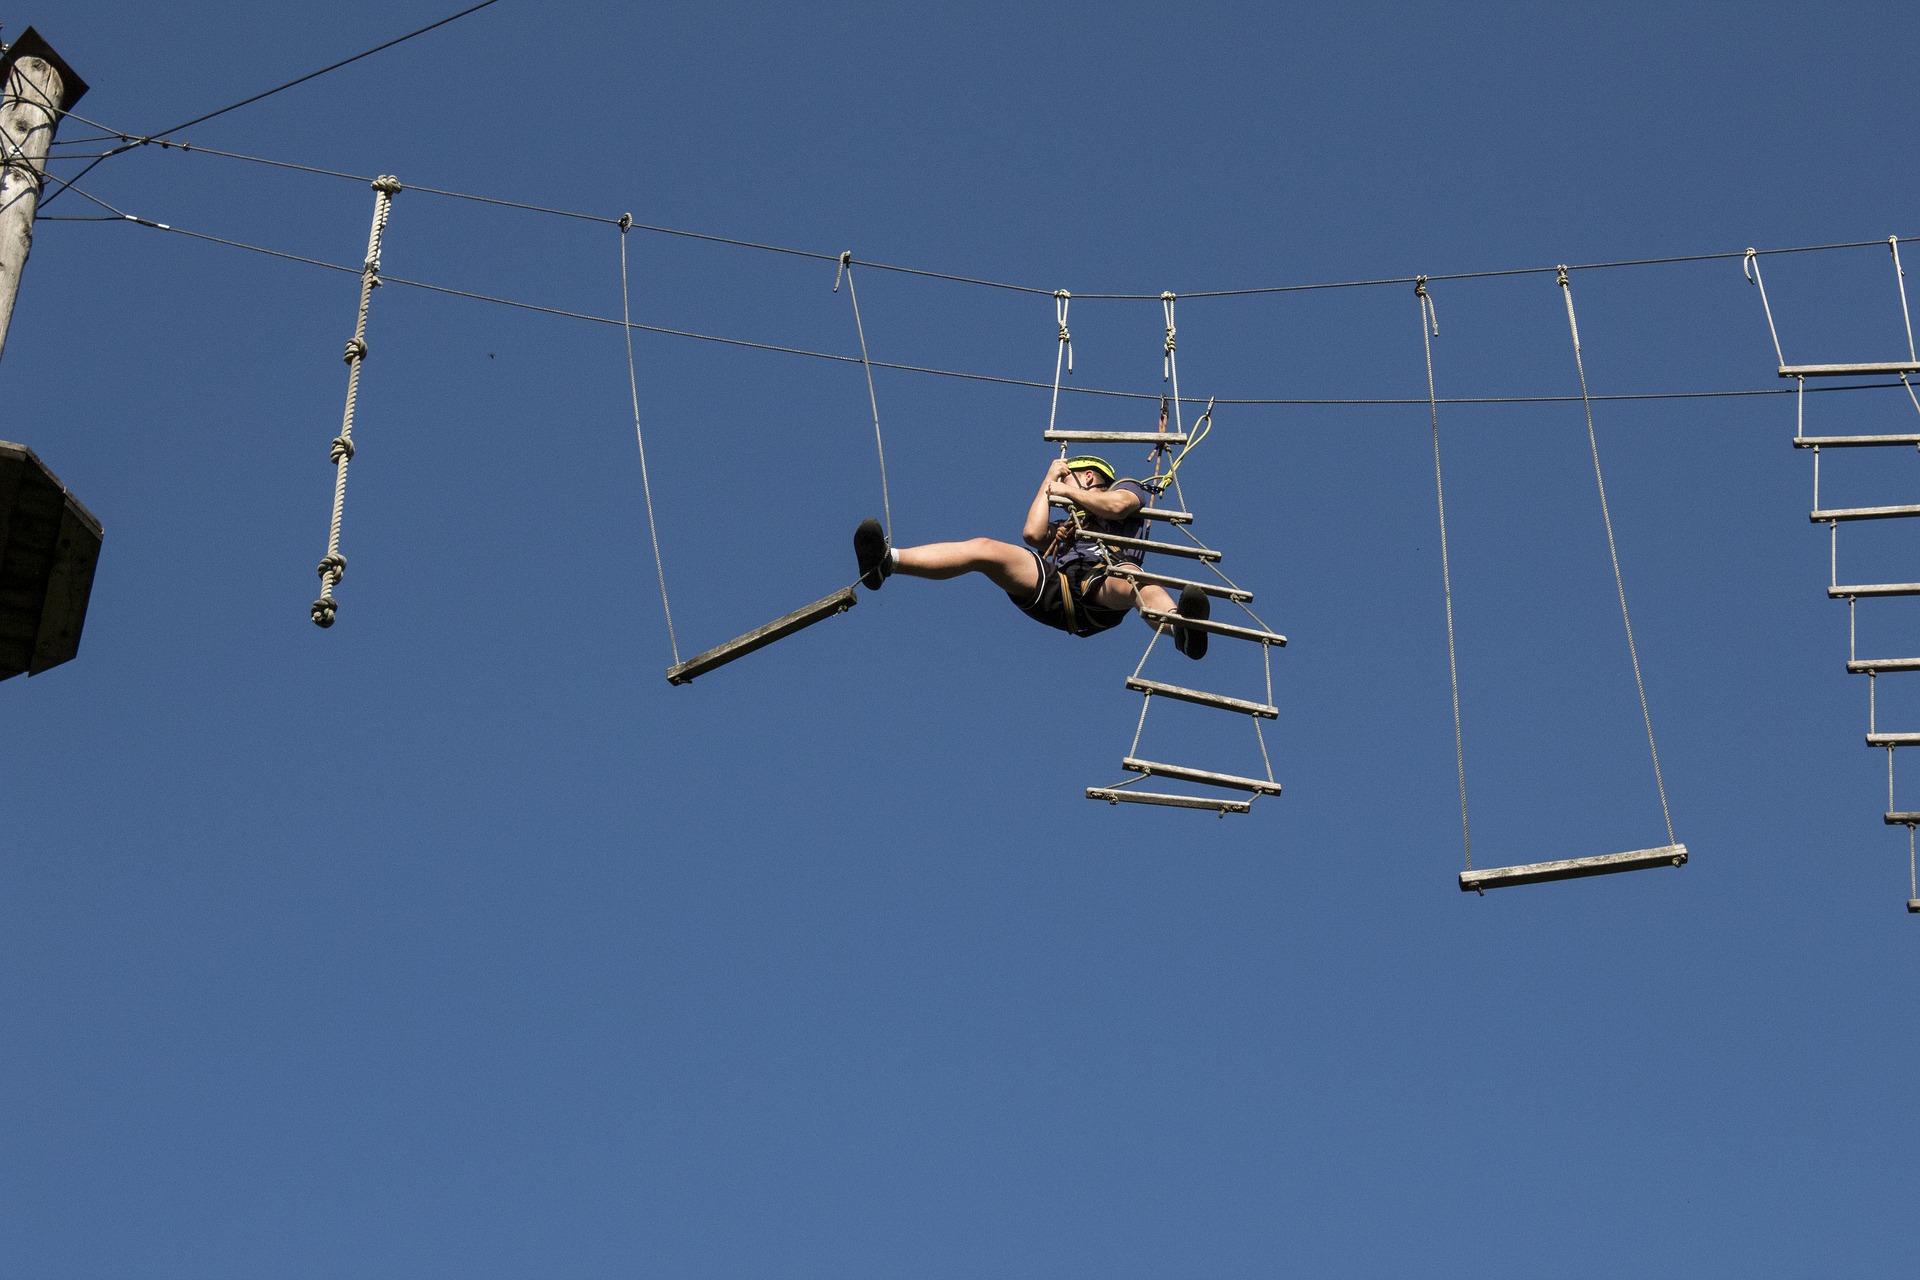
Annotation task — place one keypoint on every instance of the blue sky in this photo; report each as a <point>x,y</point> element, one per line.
<point>453,941</point>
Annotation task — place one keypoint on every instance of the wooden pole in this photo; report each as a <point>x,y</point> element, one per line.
<point>38,86</point>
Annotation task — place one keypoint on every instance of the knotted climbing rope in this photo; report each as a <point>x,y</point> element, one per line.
<point>334,565</point>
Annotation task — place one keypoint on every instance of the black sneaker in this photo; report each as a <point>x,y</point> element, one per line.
<point>870,549</point>
<point>1191,640</point>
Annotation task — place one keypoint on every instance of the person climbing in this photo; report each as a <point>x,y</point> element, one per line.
<point>1059,577</point>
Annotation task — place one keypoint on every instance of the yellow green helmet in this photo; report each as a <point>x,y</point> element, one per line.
<point>1087,460</point>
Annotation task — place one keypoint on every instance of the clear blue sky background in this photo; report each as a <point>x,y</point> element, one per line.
<point>453,942</point>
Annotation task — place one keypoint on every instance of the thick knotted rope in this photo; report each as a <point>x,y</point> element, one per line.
<point>333,566</point>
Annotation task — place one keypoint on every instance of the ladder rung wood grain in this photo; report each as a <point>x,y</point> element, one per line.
<point>1211,627</point>
<point>1672,855</point>
<point>1860,666</point>
<point>1120,795</point>
<point>1147,544</point>
<point>1203,698</point>
<point>1863,513</point>
<point>1846,370</point>
<point>1180,773</point>
<point>780,628</point>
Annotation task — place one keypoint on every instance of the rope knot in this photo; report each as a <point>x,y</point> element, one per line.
<point>356,350</point>
<point>323,611</point>
<point>342,449</point>
<point>1747,263</point>
<point>844,269</point>
<point>1420,286</point>
<point>1562,270</point>
<point>333,567</point>
<point>386,183</point>
<point>626,223</point>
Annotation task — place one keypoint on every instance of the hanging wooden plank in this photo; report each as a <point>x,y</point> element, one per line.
<point>1852,442</point>
<point>1180,773</point>
<point>1863,513</point>
<point>1120,795</point>
<point>1211,627</point>
<point>780,628</point>
<point>1203,698</point>
<point>1176,585</point>
<point>1859,666</point>
<point>1875,589</point>
<point>1115,437</point>
<point>1898,818</point>
<point>1672,855</point>
<point>1893,739</point>
<point>1847,370</point>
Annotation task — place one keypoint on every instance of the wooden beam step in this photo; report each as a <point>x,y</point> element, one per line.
<point>780,628</point>
<point>1876,589</point>
<point>1895,818</point>
<point>1177,585</point>
<point>1116,437</point>
<point>1672,855</point>
<point>1211,627</point>
<point>1893,739</point>
<point>1202,698</point>
<point>1863,513</point>
<point>1120,795</point>
<point>1846,370</point>
<point>1180,773</point>
<point>1859,666</point>
<point>1147,544</point>
<point>1852,442</point>
<point>1145,513</point>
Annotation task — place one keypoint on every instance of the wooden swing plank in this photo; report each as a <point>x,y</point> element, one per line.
<point>1846,370</point>
<point>1203,698</point>
<point>1863,513</point>
<point>1145,513</point>
<point>1858,666</point>
<point>759,638</point>
<point>1897,818</point>
<point>1851,442</point>
<point>1893,739</point>
<point>1115,437</point>
<point>1672,855</point>
<point>1181,584</point>
<point>1147,544</point>
<point>1214,628</point>
<point>1118,795</point>
<point>1875,589</point>
<point>1180,773</point>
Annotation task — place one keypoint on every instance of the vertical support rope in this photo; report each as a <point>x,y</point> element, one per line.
<point>1063,353</point>
<point>1900,278</point>
<point>1429,330</point>
<point>333,566</point>
<point>846,269</point>
<point>1619,582</point>
<point>1170,373</point>
<point>1751,265</point>
<point>646,485</point>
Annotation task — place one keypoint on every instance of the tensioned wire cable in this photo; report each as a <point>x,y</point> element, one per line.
<point>1619,582</point>
<point>1307,401</point>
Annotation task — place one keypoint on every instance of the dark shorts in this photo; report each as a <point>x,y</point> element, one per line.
<point>1049,603</point>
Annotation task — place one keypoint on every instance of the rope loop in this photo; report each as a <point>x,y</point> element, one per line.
<point>1061,299</point>
<point>356,350</point>
<point>626,223</point>
<point>1747,263</point>
<point>1429,314</point>
<point>1166,360</point>
<point>387,184</point>
<point>342,450</point>
<point>839,272</point>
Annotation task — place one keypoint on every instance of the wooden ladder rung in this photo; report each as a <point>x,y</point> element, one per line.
<point>1180,773</point>
<point>1116,437</point>
<point>1671,855</point>
<point>1214,589</point>
<point>1893,739</point>
<point>1846,370</point>
<point>1120,795</point>
<point>1211,627</point>
<point>1860,666</point>
<point>1913,906</point>
<point>1895,818</point>
<point>1220,700</point>
<point>1147,544</point>
<point>780,628</point>
<point>1876,589</point>
<point>1863,513</point>
<point>1144,513</point>
<point>1851,442</point>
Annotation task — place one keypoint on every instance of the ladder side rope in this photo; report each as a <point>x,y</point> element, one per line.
<point>646,485</point>
<point>846,269</point>
<point>1429,329</point>
<point>333,566</point>
<point>1619,582</point>
<point>1900,277</point>
<point>1064,353</point>
<point>1750,263</point>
